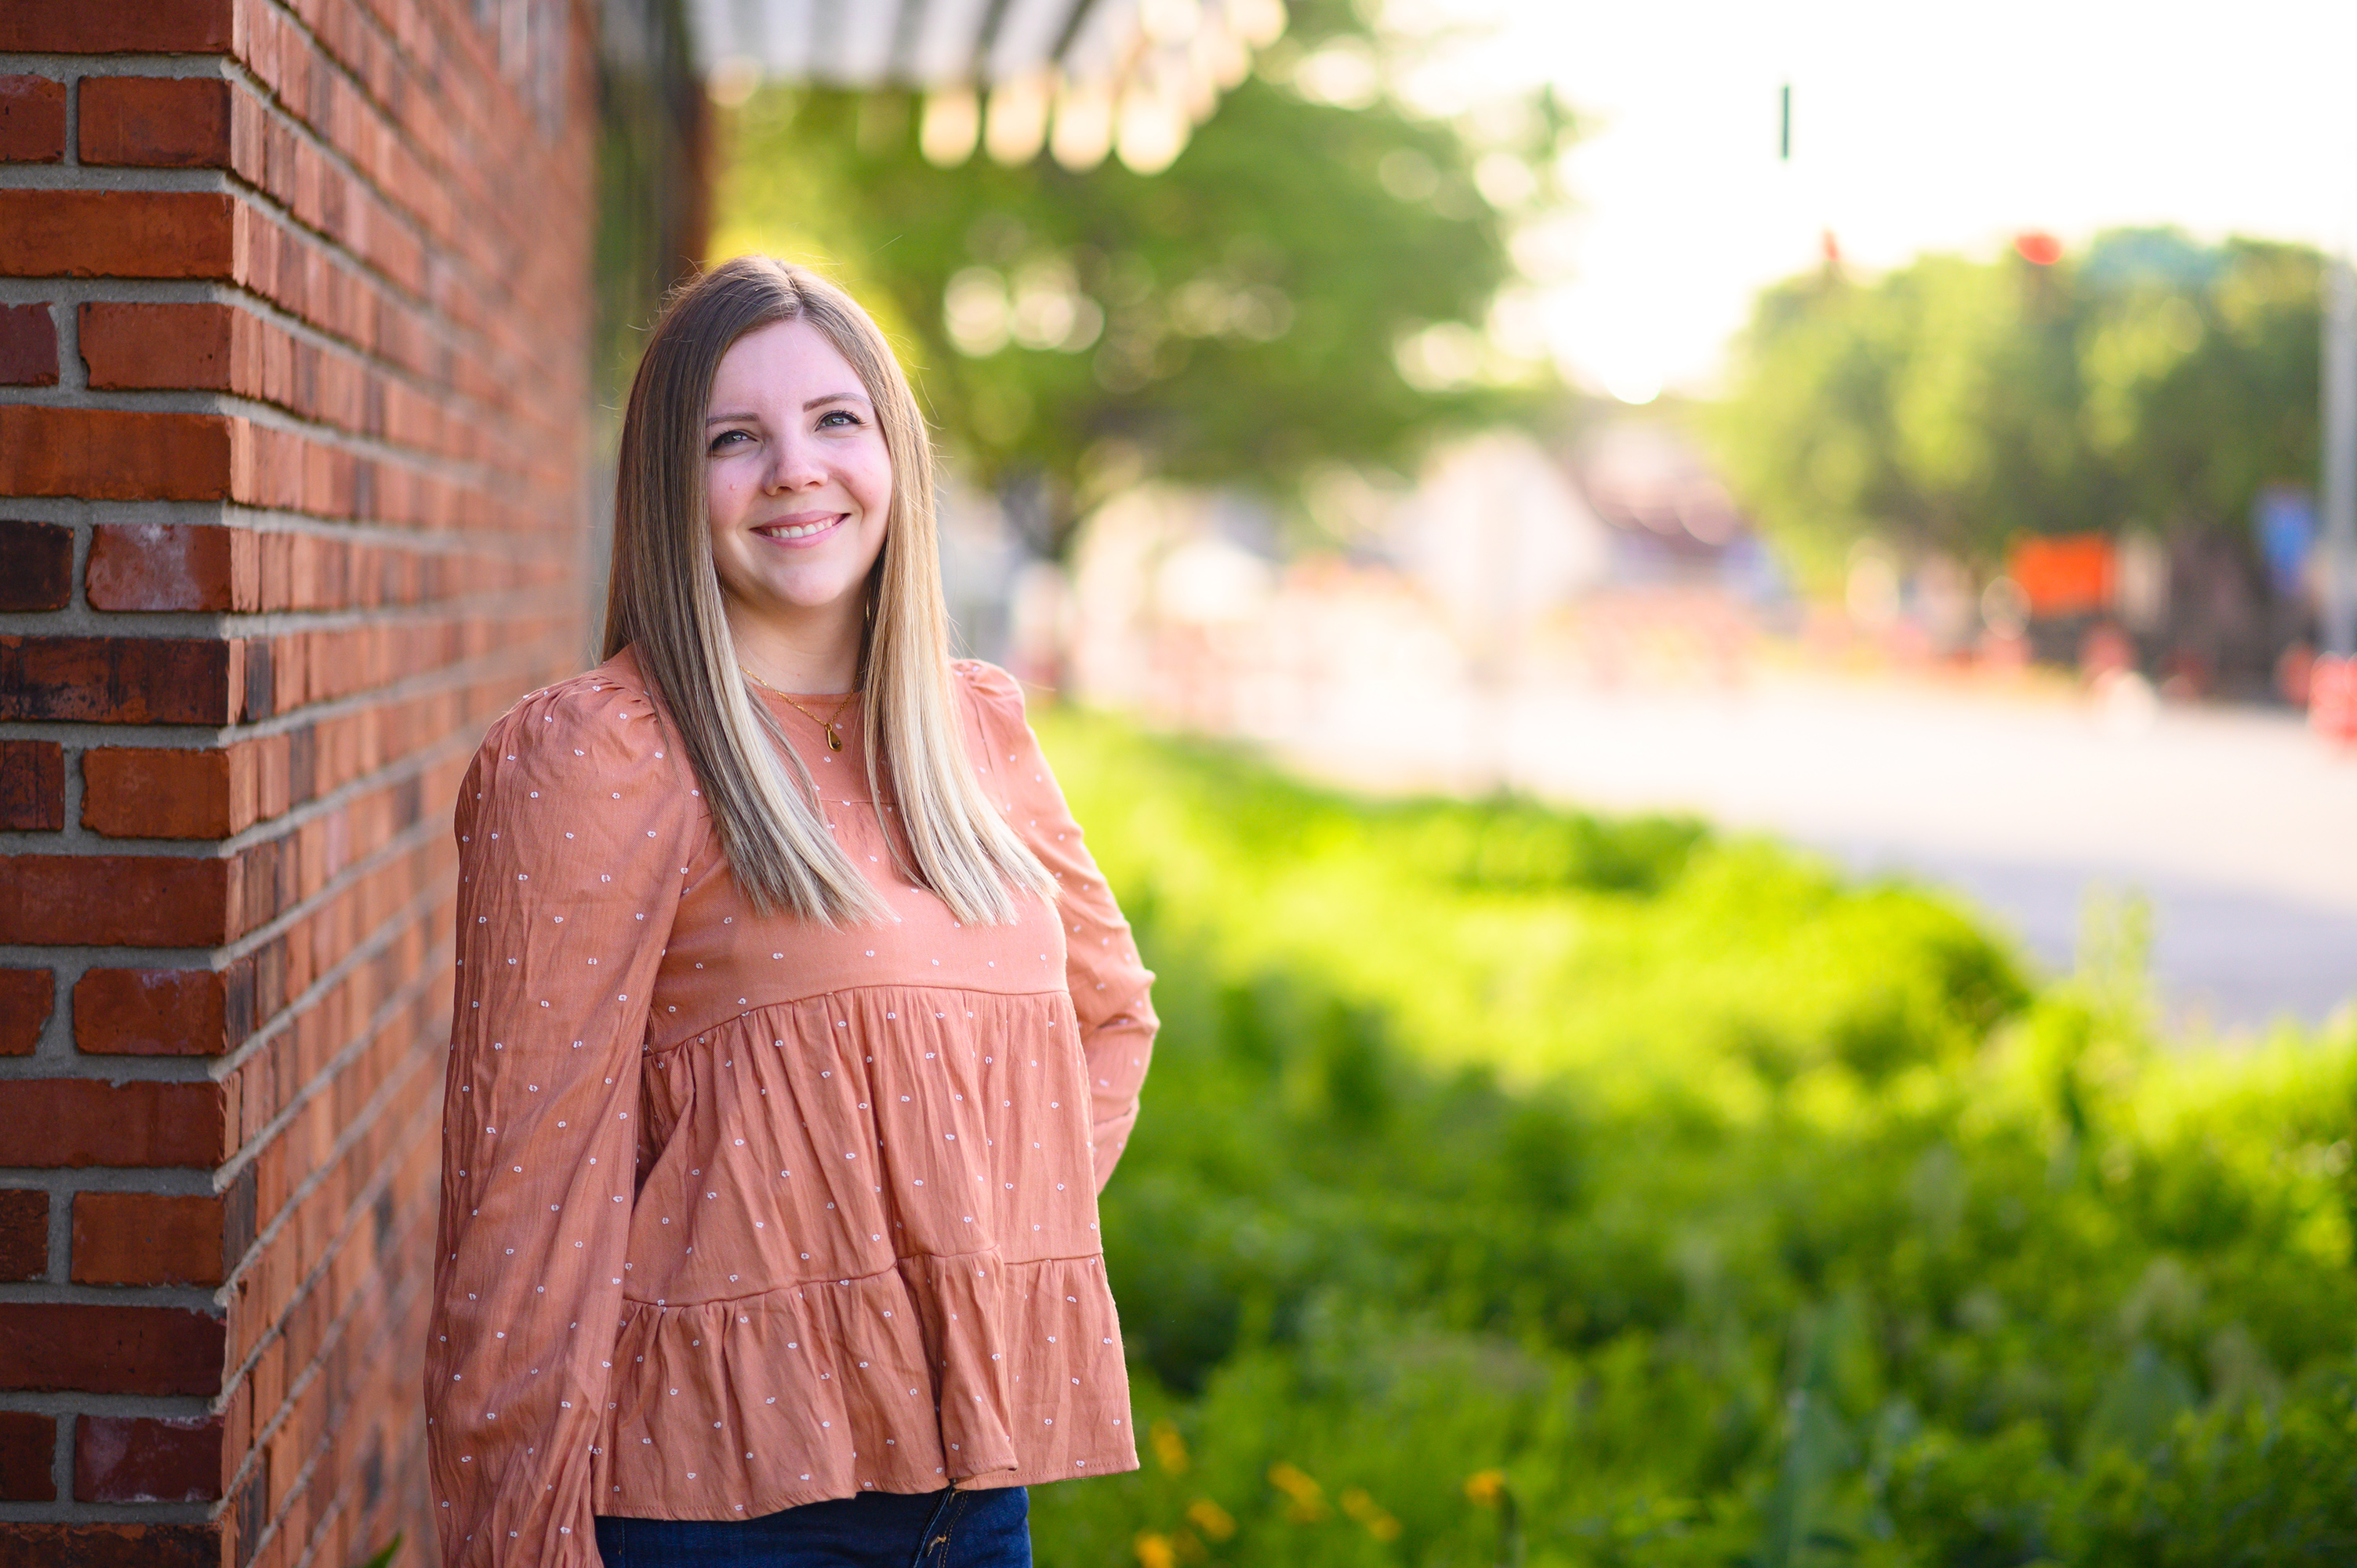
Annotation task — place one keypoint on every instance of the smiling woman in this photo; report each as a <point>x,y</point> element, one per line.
<point>780,912</point>
<point>797,482</point>
<point>774,517</point>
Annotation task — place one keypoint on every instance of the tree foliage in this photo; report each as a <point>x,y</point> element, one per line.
<point>1231,319</point>
<point>1952,403</point>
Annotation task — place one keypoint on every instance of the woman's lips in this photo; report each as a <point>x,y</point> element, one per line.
<point>800,535</point>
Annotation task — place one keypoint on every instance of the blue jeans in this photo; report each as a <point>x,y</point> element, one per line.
<point>951,1528</point>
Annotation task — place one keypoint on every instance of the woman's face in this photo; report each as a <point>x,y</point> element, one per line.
<point>796,477</point>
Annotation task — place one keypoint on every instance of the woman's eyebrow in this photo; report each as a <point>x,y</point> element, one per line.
<point>734,418</point>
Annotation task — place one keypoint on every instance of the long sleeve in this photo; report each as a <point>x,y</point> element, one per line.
<point>1111,985</point>
<point>573,827</point>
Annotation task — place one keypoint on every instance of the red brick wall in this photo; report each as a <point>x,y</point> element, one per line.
<point>294,337</point>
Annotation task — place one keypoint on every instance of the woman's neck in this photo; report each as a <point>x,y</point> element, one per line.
<point>813,652</point>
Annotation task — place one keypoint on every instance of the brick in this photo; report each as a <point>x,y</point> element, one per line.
<point>78,27</point>
<point>163,792</point>
<point>145,1124</point>
<point>32,786</point>
<point>146,1239</point>
<point>26,997</point>
<point>172,566</point>
<point>248,1512</point>
<point>156,122</point>
<point>35,566</point>
<point>32,119</point>
<point>240,1219</point>
<point>122,455</point>
<point>23,1233</point>
<point>206,345</point>
<point>104,1350</point>
<point>110,454</point>
<point>147,1459</point>
<point>159,1011</point>
<point>118,234</point>
<point>28,1447</point>
<point>113,901</point>
<point>120,680</point>
<point>28,346</point>
<point>29,1443</point>
<point>145,344</point>
<point>110,1545</point>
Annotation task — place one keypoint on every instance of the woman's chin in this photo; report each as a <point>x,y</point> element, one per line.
<point>799,595</point>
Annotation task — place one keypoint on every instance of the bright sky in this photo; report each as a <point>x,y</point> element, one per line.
<point>1916,127</point>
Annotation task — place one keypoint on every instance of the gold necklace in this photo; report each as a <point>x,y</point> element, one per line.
<point>834,736</point>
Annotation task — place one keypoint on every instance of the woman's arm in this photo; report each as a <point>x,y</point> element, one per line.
<point>1109,983</point>
<point>572,829</point>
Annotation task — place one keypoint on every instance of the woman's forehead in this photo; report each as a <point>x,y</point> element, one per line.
<point>786,363</point>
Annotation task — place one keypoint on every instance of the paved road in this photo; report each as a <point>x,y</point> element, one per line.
<point>2238,826</point>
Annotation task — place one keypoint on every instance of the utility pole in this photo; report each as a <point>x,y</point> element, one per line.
<point>2332,683</point>
<point>2340,415</point>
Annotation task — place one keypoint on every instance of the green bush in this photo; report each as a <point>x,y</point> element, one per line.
<point>1523,1185</point>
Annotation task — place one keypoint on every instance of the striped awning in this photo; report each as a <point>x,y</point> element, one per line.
<point>1077,78</point>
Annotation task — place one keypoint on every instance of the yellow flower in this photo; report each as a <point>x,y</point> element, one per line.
<point>1210,1518</point>
<point>1308,1496</point>
<point>1367,1511</point>
<point>1154,1550</point>
<point>1487,1488</point>
<point>1169,1448</point>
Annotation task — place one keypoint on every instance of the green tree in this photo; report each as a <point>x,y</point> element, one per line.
<point>1231,319</point>
<point>2200,368</point>
<point>1952,405</point>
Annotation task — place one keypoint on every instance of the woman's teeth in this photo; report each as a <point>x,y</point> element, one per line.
<point>799,529</point>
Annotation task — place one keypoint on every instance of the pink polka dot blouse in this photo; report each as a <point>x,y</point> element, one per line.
<point>739,1212</point>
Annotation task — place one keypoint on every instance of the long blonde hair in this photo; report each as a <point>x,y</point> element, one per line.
<point>663,602</point>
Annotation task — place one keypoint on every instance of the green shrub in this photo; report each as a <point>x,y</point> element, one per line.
<point>1728,1212</point>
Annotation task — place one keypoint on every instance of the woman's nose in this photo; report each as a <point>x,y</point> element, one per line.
<point>795,467</point>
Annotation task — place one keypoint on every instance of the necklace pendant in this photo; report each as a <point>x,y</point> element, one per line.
<point>834,740</point>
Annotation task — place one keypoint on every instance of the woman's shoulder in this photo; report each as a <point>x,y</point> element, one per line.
<point>997,693</point>
<point>603,724</point>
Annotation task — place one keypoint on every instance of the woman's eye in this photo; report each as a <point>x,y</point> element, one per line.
<point>728,437</point>
<point>832,415</point>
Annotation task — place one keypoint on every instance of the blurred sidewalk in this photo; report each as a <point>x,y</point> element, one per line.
<point>2238,826</point>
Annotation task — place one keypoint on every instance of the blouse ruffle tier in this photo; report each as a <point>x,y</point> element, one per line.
<point>739,1212</point>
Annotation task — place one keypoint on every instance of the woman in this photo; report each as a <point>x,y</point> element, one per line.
<point>795,1030</point>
